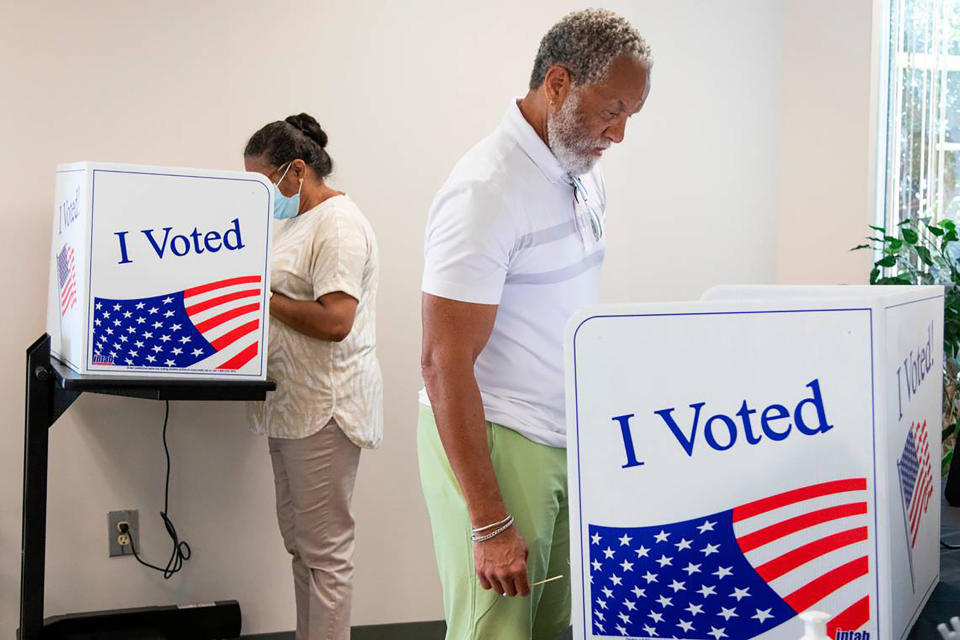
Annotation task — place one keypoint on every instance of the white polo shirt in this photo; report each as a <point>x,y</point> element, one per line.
<point>502,231</point>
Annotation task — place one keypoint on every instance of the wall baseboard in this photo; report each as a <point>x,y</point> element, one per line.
<point>433,630</point>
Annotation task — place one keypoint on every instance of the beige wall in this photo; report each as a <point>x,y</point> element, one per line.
<point>824,195</point>
<point>403,89</point>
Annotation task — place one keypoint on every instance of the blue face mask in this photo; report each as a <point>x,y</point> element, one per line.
<point>285,206</point>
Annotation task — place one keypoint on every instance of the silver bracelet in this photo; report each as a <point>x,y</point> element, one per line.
<point>491,526</point>
<point>477,538</point>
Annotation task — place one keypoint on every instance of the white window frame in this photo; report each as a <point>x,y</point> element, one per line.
<point>886,96</point>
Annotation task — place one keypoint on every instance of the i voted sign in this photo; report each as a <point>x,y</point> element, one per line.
<point>159,271</point>
<point>727,471</point>
<point>166,242</point>
<point>722,431</point>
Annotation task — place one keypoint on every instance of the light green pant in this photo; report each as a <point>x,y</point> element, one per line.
<point>533,481</point>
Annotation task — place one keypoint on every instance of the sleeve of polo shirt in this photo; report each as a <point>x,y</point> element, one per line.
<point>339,256</point>
<point>469,239</point>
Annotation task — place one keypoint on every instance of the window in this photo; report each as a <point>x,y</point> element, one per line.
<point>923,111</point>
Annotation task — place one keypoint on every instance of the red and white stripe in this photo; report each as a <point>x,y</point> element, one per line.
<point>227,313</point>
<point>811,546</point>
<point>924,489</point>
<point>68,294</point>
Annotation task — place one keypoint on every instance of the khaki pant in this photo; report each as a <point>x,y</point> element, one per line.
<point>315,477</point>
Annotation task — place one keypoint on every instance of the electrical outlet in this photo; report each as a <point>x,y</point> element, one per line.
<point>114,536</point>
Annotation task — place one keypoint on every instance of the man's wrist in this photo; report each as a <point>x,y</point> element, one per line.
<point>482,534</point>
<point>485,517</point>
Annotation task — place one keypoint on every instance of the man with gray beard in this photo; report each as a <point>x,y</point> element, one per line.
<point>514,244</point>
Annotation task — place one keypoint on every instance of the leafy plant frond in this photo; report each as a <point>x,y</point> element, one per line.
<point>920,251</point>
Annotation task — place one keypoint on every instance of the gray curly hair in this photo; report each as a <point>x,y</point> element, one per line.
<point>586,42</point>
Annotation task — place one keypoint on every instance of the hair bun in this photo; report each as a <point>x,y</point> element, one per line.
<point>308,125</point>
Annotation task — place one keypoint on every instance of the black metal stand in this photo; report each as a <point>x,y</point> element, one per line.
<point>51,389</point>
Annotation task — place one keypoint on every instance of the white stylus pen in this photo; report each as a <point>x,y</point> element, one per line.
<point>536,584</point>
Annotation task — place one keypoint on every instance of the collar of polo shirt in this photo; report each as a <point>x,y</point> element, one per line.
<point>533,145</point>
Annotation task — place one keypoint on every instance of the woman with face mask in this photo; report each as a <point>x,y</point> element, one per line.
<point>322,354</point>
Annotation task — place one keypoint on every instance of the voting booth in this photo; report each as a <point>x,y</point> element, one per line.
<point>160,272</point>
<point>762,452</point>
<point>159,285</point>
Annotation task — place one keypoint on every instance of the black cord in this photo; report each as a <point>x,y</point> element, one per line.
<point>181,550</point>
<point>948,546</point>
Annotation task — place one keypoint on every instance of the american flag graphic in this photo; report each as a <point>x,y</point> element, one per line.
<point>214,325</point>
<point>738,573</point>
<point>916,478</point>
<point>67,278</point>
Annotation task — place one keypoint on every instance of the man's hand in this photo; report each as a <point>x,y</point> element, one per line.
<point>501,563</point>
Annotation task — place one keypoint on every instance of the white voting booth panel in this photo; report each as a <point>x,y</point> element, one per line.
<point>765,451</point>
<point>158,271</point>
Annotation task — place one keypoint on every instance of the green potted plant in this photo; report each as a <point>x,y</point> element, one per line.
<point>919,251</point>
